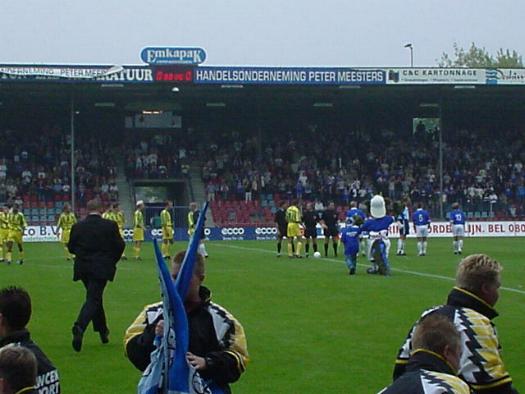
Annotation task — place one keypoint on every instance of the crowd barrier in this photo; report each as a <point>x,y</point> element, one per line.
<point>437,229</point>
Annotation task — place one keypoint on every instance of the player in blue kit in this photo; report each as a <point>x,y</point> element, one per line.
<point>355,210</point>
<point>350,240</point>
<point>377,228</point>
<point>421,220</point>
<point>457,221</point>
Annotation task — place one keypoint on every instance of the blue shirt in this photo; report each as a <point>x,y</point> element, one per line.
<point>457,216</point>
<point>421,217</point>
<point>350,239</point>
<point>355,211</point>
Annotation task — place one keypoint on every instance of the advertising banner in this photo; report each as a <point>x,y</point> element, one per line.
<point>441,76</point>
<point>506,76</point>
<point>169,55</point>
<point>288,76</point>
<point>100,74</point>
<point>263,233</point>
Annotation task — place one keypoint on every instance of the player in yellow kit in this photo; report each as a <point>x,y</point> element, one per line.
<point>109,213</point>
<point>4,231</point>
<point>119,218</point>
<point>66,220</point>
<point>16,223</point>
<point>138,229</point>
<point>167,229</point>
<point>294,229</point>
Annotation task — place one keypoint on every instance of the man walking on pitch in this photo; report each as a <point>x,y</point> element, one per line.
<point>457,222</point>
<point>421,220</point>
<point>167,229</point>
<point>17,223</point>
<point>97,246</point>
<point>138,229</point>
<point>66,220</point>
<point>470,306</point>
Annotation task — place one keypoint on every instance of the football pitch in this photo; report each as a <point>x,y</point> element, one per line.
<point>311,328</point>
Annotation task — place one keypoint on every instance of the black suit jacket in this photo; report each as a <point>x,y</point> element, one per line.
<point>97,246</point>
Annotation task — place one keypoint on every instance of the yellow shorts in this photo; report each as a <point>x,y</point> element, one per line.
<point>3,235</point>
<point>64,237</point>
<point>167,233</point>
<point>15,236</point>
<point>293,230</point>
<point>138,234</point>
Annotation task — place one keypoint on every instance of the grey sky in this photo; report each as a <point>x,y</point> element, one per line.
<point>256,32</point>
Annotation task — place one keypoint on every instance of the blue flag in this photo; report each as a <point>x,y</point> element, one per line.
<point>169,372</point>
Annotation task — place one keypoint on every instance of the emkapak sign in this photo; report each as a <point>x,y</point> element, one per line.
<point>172,55</point>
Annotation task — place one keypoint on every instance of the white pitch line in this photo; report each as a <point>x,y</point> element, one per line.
<point>423,274</point>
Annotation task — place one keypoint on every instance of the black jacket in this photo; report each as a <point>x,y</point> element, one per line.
<point>97,246</point>
<point>427,373</point>
<point>214,334</point>
<point>47,380</point>
<point>481,365</point>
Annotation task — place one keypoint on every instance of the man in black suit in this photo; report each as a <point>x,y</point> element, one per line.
<point>97,246</point>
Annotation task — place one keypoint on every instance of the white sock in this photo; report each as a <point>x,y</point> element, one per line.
<point>424,247</point>
<point>402,246</point>
<point>201,249</point>
<point>455,246</point>
<point>460,246</point>
<point>419,247</point>
<point>399,245</point>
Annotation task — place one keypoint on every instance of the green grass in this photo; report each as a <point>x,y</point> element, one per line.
<point>310,327</point>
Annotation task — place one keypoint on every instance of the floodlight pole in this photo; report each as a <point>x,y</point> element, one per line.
<point>441,159</point>
<point>72,159</point>
<point>410,46</point>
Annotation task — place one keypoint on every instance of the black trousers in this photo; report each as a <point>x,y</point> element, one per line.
<point>93,308</point>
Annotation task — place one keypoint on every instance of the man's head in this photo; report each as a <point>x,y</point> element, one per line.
<point>455,205</point>
<point>294,202</point>
<point>67,208</point>
<point>140,205</point>
<point>15,208</point>
<point>115,206</point>
<point>309,206</point>
<point>168,204</point>
<point>353,204</point>
<point>15,309</point>
<point>199,273</point>
<point>193,206</point>
<point>94,206</point>
<point>439,335</point>
<point>419,205</point>
<point>480,274</point>
<point>282,204</point>
<point>357,220</point>
<point>18,369</point>
<point>331,205</point>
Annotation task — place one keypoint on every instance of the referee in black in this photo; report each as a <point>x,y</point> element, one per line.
<point>97,246</point>
<point>282,224</point>
<point>310,220</point>
<point>329,223</point>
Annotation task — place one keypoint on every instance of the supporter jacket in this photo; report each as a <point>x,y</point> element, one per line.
<point>481,365</point>
<point>427,373</point>
<point>214,334</point>
<point>47,381</point>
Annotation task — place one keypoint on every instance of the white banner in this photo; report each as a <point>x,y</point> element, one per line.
<point>442,76</point>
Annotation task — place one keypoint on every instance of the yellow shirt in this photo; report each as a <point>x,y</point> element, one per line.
<point>4,225</point>
<point>109,215</point>
<point>66,220</point>
<point>293,215</point>
<point>165,218</point>
<point>119,218</point>
<point>16,221</point>
<point>138,219</point>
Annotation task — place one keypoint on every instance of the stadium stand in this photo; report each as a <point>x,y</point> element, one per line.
<point>35,172</point>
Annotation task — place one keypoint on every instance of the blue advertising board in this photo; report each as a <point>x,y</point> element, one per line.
<point>288,76</point>
<point>173,55</point>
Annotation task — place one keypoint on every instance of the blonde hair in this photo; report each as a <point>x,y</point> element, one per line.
<point>434,333</point>
<point>199,269</point>
<point>476,270</point>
